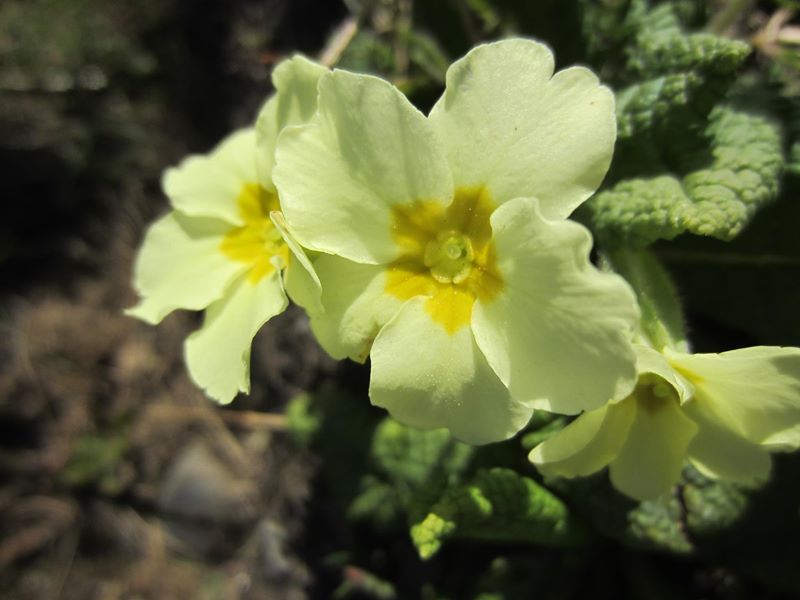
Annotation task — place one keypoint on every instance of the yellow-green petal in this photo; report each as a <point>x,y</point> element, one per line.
<point>755,392</point>
<point>294,103</point>
<point>367,149</point>
<point>508,123</point>
<point>180,265</point>
<point>300,278</point>
<point>587,444</point>
<point>649,360</point>
<point>355,306</point>
<point>719,453</point>
<point>652,457</point>
<point>426,377</point>
<point>218,354</point>
<point>208,185</point>
<point>558,333</point>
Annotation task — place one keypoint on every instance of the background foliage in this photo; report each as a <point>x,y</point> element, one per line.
<point>122,481</point>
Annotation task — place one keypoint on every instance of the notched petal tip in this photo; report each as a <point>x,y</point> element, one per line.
<point>559,333</point>
<point>218,354</point>
<point>426,377</point>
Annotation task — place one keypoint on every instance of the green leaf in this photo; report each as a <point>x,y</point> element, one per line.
<point>609,25</point>
<point>377,502</point>
<point>94,461</point>
<point>749,287</point>
<point>498,504</point>
<point>412,456</point>
<point>717,201</point>
<point>304,422</point>
<point>693,518</point>
<point>541,426</point>
<point>651,525</point>
<point>672,51</point>
<point>418,463</point>
<point>662,317</point>
<point>669,84</point>
<point>658,102</point>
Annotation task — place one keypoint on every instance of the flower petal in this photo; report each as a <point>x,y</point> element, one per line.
<point>719,453</point>
<point>651,459</point>
<point>587,444</point>
<point>511,125</point>
<point>649,360</point>
<point>367,149</point>
<point>426,377</point>
<point>355,305</point>
<point>755,392</point>
<point>558,333</point>
<point>218,354</point>
<point>300,278</point>
<point>208,185</point>
<point>294,103</point>
<point>180,265</point>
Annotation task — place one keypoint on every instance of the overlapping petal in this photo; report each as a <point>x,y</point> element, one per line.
<point>649,360</point>
<point>724,412</point>
<point>427,377</point>
<point>208,185</point>
<point>295,102</point>
<point>218,354</point>
<point>509,124</point>
<point>652,456</point>
<point>366,150</point>
<point>755,392</point>
<point>180,266</point>
<point>558,334</point>
<point>300,279</point>
<point>587,444</point>
<point>356,306</point>
<point>720,453</point>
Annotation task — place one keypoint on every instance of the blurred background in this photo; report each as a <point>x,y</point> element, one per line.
<point>119,479</point>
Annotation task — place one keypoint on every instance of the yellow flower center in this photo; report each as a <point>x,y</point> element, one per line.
<point>653,393</point>
<point>256,242</point>
<point>447,254</point>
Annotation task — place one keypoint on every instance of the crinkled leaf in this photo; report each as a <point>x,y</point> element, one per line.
<point>411,455</point>
<point>753,531</point>
<point>608,27</point>
<point>717,201</point>
<point>692,519</point>
<point>418,463</point>
<point>668,86</point>
<point>661,102</point>
<point>652,525</point>
<point>670,51</point>
<point>750,286</point>
<point>498,504</point>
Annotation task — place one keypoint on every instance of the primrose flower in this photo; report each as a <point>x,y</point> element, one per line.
<point>447,256</point>
<point>723,412</point>
<point>223,247</point>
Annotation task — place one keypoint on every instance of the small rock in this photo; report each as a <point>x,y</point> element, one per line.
<point>272,539</point>
<point>199,486</point>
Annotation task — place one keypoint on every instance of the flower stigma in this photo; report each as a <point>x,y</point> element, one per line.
<point>447,253</point>
<point>449,257</point>
<point>257,241</point>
